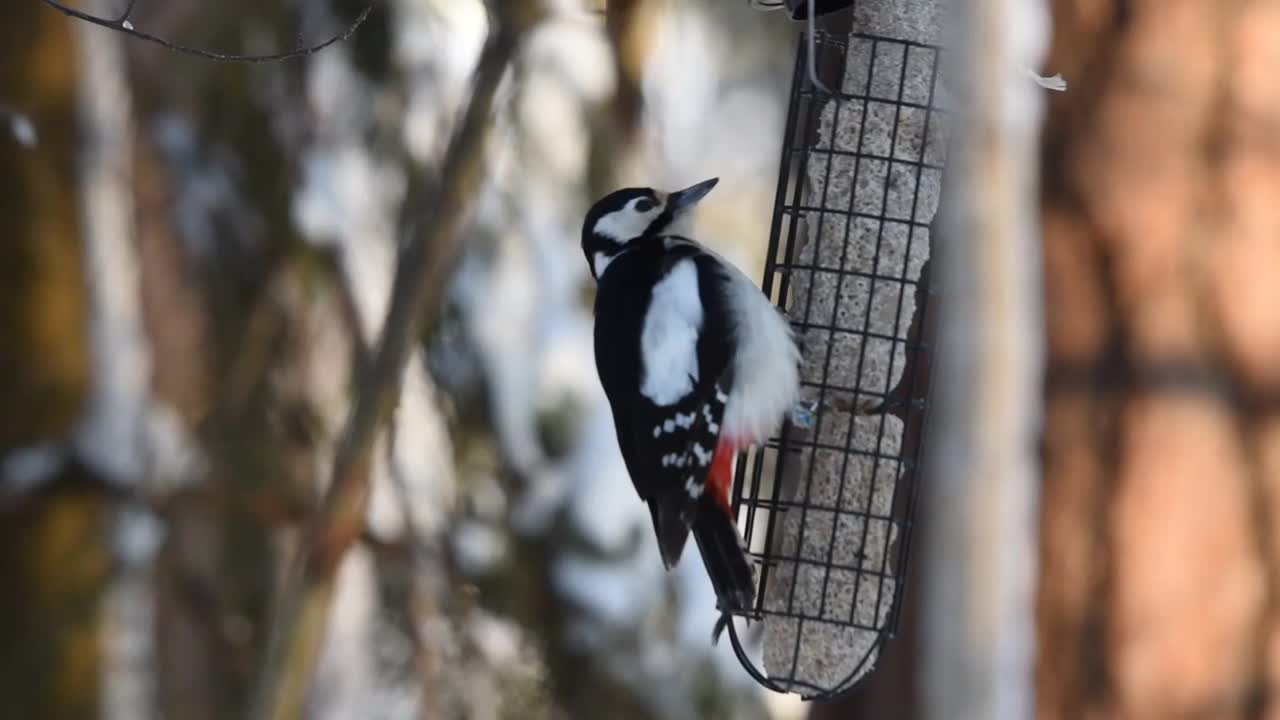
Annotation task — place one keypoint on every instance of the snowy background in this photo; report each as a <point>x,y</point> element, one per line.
<point>237,229</point>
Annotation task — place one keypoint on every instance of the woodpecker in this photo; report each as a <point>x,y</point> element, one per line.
<point>697,364</point>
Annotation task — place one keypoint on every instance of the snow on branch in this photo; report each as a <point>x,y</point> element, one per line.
<point>417,295</point>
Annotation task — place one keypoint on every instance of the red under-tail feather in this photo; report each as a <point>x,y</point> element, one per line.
<point>720,477</point>
<point>717,536</point>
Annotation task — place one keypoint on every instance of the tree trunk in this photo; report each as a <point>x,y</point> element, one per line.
<point>1157,593</point>
<point>52,558</point>
<point>43,358</point>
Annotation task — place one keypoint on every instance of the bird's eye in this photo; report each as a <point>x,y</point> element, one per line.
<point>645,205</point>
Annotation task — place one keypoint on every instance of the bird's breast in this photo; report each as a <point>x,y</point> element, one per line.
<point>766,378</point>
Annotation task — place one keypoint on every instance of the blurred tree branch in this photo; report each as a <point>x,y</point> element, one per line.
<point>53,563</point>
<point>630,26</point>
<point>417,296</point>
<point>43,358</point>
<point>124,24</point>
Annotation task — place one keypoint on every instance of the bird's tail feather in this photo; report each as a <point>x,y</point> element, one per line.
<point>724,556</point>
<point>672,515</point>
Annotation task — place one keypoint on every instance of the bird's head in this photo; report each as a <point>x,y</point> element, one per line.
<point>633,215</point>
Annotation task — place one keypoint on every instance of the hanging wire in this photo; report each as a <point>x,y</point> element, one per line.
<point>811,43</point>
<point>772,5</point>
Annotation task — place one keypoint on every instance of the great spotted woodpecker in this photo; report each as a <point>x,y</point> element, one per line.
<point>696,363</point>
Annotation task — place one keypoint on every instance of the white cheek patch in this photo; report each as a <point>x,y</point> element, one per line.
<point>669,338</point>
<point>626,224</point>
<point>600,261</point>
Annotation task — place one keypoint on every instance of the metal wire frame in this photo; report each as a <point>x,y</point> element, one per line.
<point>757,497</point>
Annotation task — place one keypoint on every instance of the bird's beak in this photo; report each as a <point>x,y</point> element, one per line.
<point>681,200</point>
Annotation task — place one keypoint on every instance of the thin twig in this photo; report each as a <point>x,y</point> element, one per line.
<point>124,16</point>
<point>417,295</point>
<point>123,25</point>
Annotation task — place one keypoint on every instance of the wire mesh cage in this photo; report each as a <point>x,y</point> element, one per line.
<point>826,508</point>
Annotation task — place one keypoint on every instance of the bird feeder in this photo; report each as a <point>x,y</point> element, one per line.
<point>826,507</point>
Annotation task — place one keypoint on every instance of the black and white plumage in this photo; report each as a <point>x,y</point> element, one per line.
<point>696,364</point>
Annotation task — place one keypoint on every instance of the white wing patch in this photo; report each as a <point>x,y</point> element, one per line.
<point>669,338</point>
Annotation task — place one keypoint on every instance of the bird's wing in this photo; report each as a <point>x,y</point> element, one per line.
<point>685,379</point>
<point>677,444</point>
